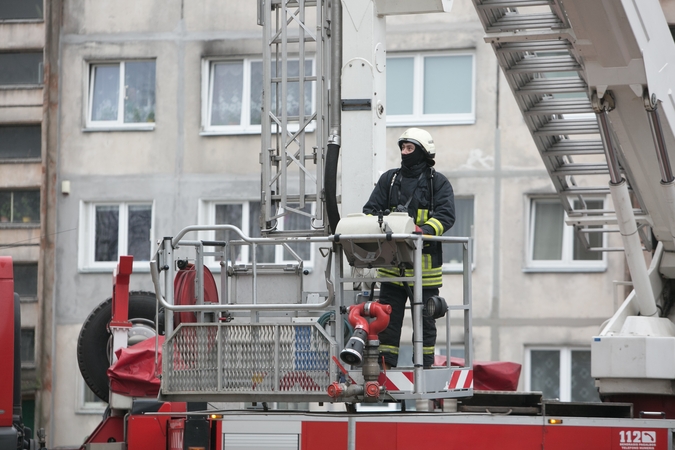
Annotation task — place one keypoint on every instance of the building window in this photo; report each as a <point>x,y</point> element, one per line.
<point>20,142</point>
<point>246,216</point>
<point>89,402</point>
<point>26,281</point>
<point>554,246</point>
<point>21,68</point>
<point>453,254</point>
<point>20,9</point>
<point>232,95</point>
<point>27,347</point>
<point>561,373</point>
<point>122,95</point>
<point>431,89</point>
<point>20,207</point>
<point>110,230</point>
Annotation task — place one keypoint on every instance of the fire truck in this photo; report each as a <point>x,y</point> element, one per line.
<point>594,82</point>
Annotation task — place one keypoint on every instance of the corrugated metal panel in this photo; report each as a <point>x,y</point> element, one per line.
<point>249,441</point>
<point>247,359</point>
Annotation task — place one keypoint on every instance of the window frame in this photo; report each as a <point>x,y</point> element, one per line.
<point>26,19</point>
<point>12,224</point>
<point>418,117</point>
<point>207,216</point>
<point>565,381</point>
<point>450,268</point>
<point>32,298</point>
<point>29,364</point>
<point>245,126</point>
<point>567,263</point>
<point>83,406</point>
<point>41,69</point>
<point>12,159</point>
<point>87,236</point>
<point>119,124</point>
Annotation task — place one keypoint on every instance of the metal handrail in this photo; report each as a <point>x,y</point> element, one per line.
<point>154,270</point>
<point>229,307</point>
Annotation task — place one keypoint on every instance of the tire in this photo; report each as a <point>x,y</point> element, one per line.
<point>92,344</point>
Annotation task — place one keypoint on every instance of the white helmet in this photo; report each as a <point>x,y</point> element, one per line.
<point>419,137</point>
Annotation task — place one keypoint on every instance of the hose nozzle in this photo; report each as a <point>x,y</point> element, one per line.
<point>353,352</point>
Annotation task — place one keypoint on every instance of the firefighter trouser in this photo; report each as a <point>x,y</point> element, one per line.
<point>397,296</point>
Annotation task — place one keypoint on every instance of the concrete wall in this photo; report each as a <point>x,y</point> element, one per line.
<point>493,160</point>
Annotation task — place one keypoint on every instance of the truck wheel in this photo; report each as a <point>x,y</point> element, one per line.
<point>92,344</point>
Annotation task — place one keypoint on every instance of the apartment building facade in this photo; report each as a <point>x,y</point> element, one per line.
<point>27,90</point>
<point>149,121</point>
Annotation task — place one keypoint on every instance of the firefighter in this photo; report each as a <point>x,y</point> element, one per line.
<point>427,196</point>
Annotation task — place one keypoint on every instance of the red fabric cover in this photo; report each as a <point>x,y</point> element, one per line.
<point>184,292</point>
<point>133,373</point>
<point>488,375</point>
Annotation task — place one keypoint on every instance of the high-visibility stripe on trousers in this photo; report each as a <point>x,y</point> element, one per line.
<point>397,296</point>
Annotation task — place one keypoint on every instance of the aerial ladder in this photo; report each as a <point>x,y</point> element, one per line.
<point>594,82</point>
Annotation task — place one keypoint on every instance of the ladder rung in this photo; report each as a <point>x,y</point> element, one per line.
<point>590,191</point>
<point>596,230</point>
<point>292,3</point>
<point>566,127</point>
<point>576,152</point>
<point>292,39</point>
<point>580,169</point>
<point>498,37</point>
<point>580,212</point>
<point>564,85</point>
<point>495,4</point>
<point>535,64</point>
<point>292,120</point>
<point>575,146</point>
<point>514,21</point>
<point>549,106</point>
<point>598,213</point>
<point>588,221</point>
<point>534,46</point>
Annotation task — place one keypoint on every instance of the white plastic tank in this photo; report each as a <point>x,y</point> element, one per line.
<point>374,249</point>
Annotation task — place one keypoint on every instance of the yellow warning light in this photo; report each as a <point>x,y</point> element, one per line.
<point>555,421</point>
<point>215,416</point>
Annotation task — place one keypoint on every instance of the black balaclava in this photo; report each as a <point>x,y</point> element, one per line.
<point>414,158</point>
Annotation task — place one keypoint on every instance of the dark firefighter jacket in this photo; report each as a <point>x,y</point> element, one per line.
<point>433,214</point>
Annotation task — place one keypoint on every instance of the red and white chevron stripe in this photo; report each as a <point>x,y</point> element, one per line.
<point>404,381</point>
<point>397,381</point>
<point>461,379</point>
